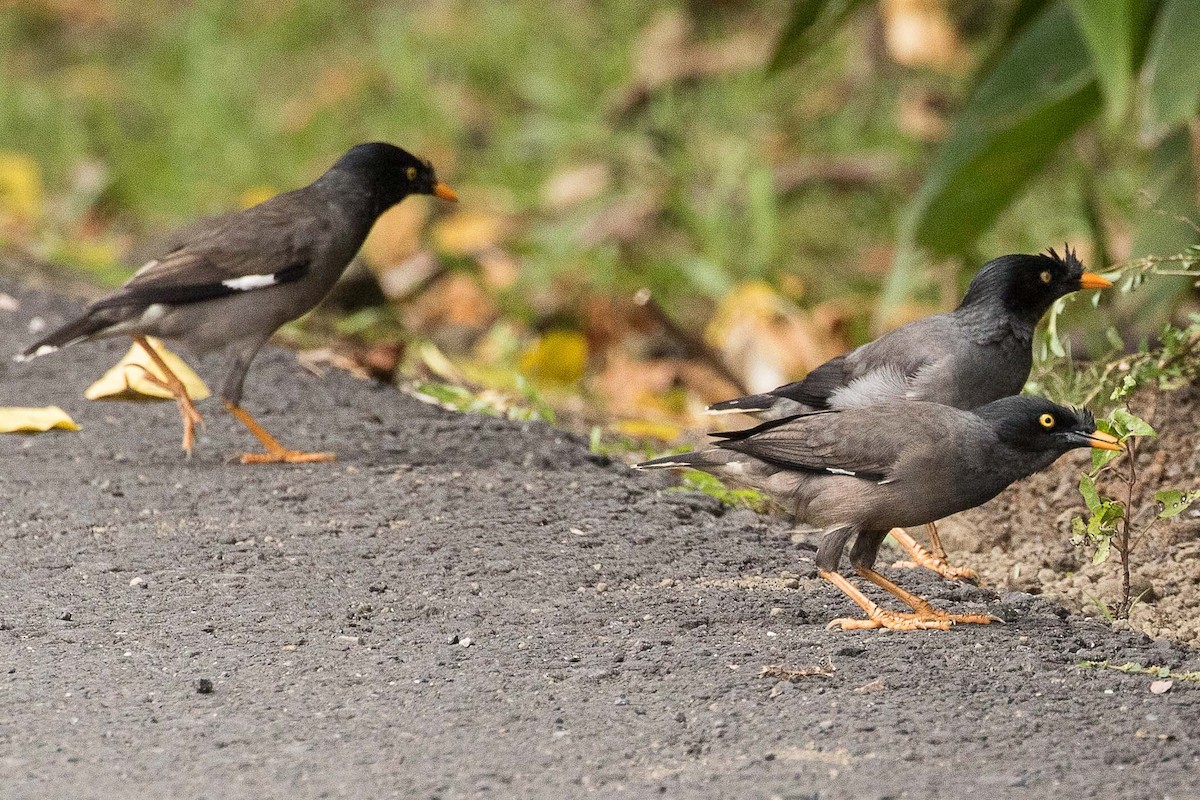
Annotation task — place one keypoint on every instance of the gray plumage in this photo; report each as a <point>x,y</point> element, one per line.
<point>965,358</point>
<point>245,274</point>
<point>864,471</point>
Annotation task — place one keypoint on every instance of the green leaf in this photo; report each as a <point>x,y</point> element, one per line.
<point>1175,501</point>
<point>1037,96</point>
<point>1078,530</point>
<point>1087,488</point>
<point>1103,548</point>
<point>1130,425</point>
<point>811,24</point>
<point>1171,73</point>
<point>1108,30</point>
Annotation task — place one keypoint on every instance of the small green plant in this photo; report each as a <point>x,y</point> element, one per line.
<point>1138,669</point>
<point>696,481</point>
<point>1114,524</point>
<point>491,402</point>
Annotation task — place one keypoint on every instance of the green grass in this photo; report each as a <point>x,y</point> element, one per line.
<point>187,106</point>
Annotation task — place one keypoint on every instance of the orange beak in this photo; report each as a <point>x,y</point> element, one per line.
<point>1090,280</point>
<point>1104,441</point>
<point>446,193</point>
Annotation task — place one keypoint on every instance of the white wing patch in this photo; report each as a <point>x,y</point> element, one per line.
<point>877,386</point>
<point>836,471</point>
<point>248,282</point>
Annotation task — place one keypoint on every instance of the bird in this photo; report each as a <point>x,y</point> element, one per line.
<point>965,358</point>
<point>237,279</point>
<point>859,472</point>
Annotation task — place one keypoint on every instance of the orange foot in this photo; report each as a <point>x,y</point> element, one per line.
<point>892,620</point>
<point>923,558</point>
<point>284,456</point>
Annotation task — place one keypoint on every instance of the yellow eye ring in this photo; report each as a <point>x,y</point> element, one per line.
<point>1045,276</point>
<point>411,173</point>
<point>1046,420</point>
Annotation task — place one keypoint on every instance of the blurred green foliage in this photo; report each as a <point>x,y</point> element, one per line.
<point>142,115</point>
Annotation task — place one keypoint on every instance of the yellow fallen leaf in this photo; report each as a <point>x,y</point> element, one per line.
<point>645,429</point>
<point>127,379</point>
<point>559,356</point>
<point>20,186</point>
<point>14,419</point>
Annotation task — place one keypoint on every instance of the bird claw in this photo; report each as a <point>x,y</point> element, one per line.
<point>892,620</point>
<point>285,457</point>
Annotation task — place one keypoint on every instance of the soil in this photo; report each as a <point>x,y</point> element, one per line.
<point>463,606</point>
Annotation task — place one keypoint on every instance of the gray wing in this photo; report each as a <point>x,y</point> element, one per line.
<point>863,442</point>
<point>913,362</point>
<point>260,247</point>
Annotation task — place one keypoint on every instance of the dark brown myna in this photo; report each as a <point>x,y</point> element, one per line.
<point>861,472</point>
<point>244,275</point>
<point>977,353</point>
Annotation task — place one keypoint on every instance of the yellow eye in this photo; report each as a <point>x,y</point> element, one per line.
<point>1047,421</point>
<point>1045,276</point>
<point>411,172</point>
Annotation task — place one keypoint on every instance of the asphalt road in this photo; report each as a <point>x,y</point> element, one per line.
<point>462,606</point>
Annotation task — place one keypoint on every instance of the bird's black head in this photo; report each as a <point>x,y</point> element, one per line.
<point>1027,285</point>
<point>389,174</point>
<point>1036,425</point>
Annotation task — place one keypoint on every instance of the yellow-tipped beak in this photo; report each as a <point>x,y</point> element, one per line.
<point>1090,280</point>
<point>1104,441</point>
<point>446,193</point>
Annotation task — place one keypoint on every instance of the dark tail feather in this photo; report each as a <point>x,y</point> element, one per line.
<point>74,331</point>
<point>750,404</point>
<point>698,459</point>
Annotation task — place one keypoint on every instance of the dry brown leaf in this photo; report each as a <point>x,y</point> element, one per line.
<point>765,339</point>
<point>499,267</point>
<point>467,233</point>
<point>396,236</point>
<point>920,114</point>
<point>635,388</point>
<point>624,221</point>
<point>127,378</point>
<point>455,300</point>
<point>664,54</point>
<point>409,277</point>
<point>18,419</point>
<point>575,185</point>
<point>920,33</point>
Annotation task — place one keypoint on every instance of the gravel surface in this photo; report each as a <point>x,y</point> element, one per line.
<point>463,606</point>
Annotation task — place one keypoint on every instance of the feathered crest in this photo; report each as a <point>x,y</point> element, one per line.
<point>1068,259</point>
<point>1085,416</point>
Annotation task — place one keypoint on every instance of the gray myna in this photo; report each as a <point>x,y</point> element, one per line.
<point>241,278</point>
<point>860,472</point>
<point>980,352</point>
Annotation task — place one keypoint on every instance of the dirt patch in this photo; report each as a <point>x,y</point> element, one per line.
<point>463,606</point>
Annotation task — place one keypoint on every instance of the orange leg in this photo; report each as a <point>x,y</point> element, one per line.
<point>919,604</point>
<point>187,410</point>
<point>935,561</point>
<point>878,617</point>
<point>276,453</point>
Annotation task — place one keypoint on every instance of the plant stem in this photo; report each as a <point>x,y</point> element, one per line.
<point>1123,548</point>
